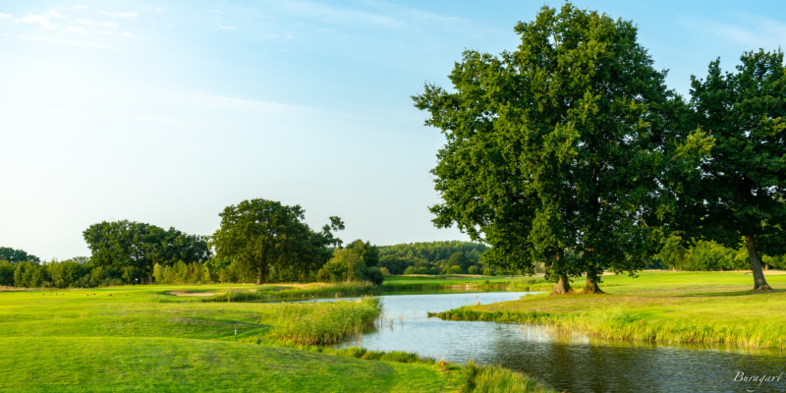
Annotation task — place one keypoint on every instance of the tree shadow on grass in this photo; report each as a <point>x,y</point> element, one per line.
<point>747,292</point>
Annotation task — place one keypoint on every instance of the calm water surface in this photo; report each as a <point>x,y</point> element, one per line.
<point>565,362</point>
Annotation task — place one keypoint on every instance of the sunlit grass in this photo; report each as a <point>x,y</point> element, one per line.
<point>129,339</point>
<point>708,308</point>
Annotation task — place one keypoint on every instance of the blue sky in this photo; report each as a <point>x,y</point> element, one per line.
<point>167,112</point>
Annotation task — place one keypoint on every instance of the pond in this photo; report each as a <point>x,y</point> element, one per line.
<point>563,361</point>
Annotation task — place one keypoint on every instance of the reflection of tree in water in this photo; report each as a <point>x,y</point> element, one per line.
<point>564,362</point>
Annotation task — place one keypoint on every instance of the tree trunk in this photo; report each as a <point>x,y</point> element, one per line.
<point>592,286</point>
<point>759,283</point>
<point>562,287</point>
<point>259,275</point>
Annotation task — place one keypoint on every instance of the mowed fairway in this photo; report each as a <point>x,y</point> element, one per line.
<point>125,340</point>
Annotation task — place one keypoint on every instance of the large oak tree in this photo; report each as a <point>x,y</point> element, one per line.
<point>557,151</point>
<point>264,235</point>
<point>743,184</point>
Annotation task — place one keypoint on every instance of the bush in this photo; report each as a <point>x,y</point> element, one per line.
<point>455,269</point>
<point>6,273</point>
<point>374,274</point>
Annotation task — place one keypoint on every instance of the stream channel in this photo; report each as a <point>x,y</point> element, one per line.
<point>566,362</point>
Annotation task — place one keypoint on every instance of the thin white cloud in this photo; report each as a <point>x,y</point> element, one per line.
<point>4,16</point>
<point>418,17</point>
<point>222,27</point>
<point>88,22</point>
<point>76,29</point>
<point>274,36</point>
<point>41,20</point>
<point>149,8</point>
<point>340,16</point>
<point>65,41</point>
<point>241,104</point>
<point>49,111</point>
<point>749,30</point>
<point>56,14</point>
<point>120,14</point>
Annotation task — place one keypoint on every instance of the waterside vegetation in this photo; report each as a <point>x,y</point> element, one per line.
<point>706,308</point>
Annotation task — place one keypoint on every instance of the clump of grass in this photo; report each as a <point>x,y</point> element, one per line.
<point>495,379</point>
<point>324,323</point>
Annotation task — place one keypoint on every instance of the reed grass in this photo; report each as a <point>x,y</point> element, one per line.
<point>326,322</point>
<point>495,379</point>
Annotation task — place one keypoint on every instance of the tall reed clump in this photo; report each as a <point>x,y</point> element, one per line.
<point>325,322</point>
<point>494,379</point>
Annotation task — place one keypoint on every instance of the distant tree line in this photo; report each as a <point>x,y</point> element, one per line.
<point>443,257</point>
<point>258,241</point>
<point>704,255</point>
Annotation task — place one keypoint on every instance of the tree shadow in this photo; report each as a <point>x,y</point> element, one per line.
<point>747,292</point>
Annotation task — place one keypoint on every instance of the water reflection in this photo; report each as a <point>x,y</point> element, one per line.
<point>565,361</point>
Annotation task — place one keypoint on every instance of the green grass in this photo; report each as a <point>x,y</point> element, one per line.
<point>461,283</point>
<point>324,323</point>
<point>140,339</point>
<point>704,307</point>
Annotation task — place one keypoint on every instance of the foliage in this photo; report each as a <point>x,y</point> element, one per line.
<point>743,184</point>
<point>557,147</point>
<point>431,257</point>
<point>12,255</point>
<point>356,262</point>
<point>270,238</point>
<point>128,250</point>
<point>6,273</point>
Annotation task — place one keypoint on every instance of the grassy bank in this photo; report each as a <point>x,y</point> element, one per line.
<point>704,307</point>
<point>463,283</point>
<point>128,339</point>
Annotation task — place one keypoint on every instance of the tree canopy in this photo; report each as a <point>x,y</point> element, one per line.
<point>743,184</point>
<point>554,152</point>
<point>13,255</point>
<point>265,235</point>
<point>432,257</point>
<point>134,248</point>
